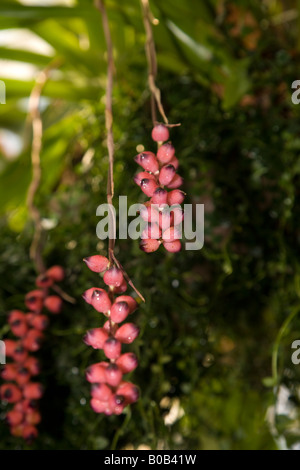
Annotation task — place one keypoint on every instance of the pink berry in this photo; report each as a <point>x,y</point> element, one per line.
<point>113,277</point>
<point>119,311</point>
<point>133,305</point>
<point>56,273</point>
<point>127,333</point>
<point>97,263</point>
<point>33,365</point>
<point>174,162</point>
<point>127,362</point>
<point>176,182</point>
<point>166,174</point>
<point>178,215</point>
<point>96,372</point>
<point>113,375</point>
<point>148,186</point>
<point>100,300</point>
<point>112,348</point>
<point>19,328</point>
<point>96,338</point>
<point>117,404</point>
<point>171,234</point>
<point>175,197</point>
<point>9,372</point>
<point>149,246</point>
<point>165,153</point>
<point>173,247</point>
<point>122,288</point>
<point>160,197</point>
<point>88,294</point>
<point>14,417</point>
<point>165,219</point>
<point>10,393</point>
<point>33,340</point>
<point>99,406</point>
<point>148,161</point>
<point>129,391</point>
<point>101,391</point>
<point>53,303</point>
<point>149,212</point>
<point>143,175</point>
<point>40,322</point>
<point>160,133</point>
<point>151,231</point>
<point>34,300</point>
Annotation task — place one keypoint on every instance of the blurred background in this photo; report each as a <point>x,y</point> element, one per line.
<point>217,327</point>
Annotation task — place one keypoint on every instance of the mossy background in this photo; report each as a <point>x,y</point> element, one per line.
<point>212,317</point>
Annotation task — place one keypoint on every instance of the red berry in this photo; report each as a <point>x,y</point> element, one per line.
<point>133,305</point>
<point>19,328</point>
<point>53,303</point>
<point>10,346</point>
<point>129,391</point>
<point>173,247</point>
<point>148,161</point>
<point>100,300</point>
<point>40,322</point>
<point>34,300</point>
<point>20,353</point>
<point>160,133</point>
<point>97,263</point>
<point>33,365</point>
<point>113,277</point>
<point>9,372</point>
<point>44,280</point>
<point>33,340</point>
<point>119,312</point>
<point>15,315</point>
<point>101,391</point>
<point>96,338</point>
<point>29,433</point>
<point>33,417</point>
<point>149,246</point>
<point>33,391</point>
<point>127,362</point>
<point>112,348</point>
<point>176,182</point>
<point>160,197</point>
<point>175,197</point>
<point>171,234</point>
<point>14,417</point>
<point>10,393</point>
<point>113,375</point>
<point>166,174</point>
<point>127,333</point>
<point>165,153</point>
<point>96,372</point>
<point>142,175</point>
<point>56,273</point>
<point>148,186</point>
<point>151,231</point>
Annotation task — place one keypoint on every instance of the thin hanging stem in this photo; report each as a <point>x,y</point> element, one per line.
<point>37,135</point>
<point>109,123</point>
<point>152,64</point>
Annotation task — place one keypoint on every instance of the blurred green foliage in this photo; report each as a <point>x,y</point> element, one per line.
<point>211,323</point>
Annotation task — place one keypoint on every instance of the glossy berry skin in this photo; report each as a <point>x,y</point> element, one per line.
<point>160,197</point>
<point>117,404</point>
<point>119,312</point>
<point>96,338</point>
<point>96,373</point>
<point>165,153</point>
<point>101,391</point>
<point>148,161</point>
<point>166,174</point>
<point>143,175</point>
<point>127,362</point>
<point>127,333</point>
<point>175,197</point>
<point>99,406</point>
<point>148,186</point>
<point>100,300</point>
<point>113,277</point>
<point>112,348</point>
<point>133,305</point>
<point>129,391</point>
<point>97,263</point>
<point>113,375</point>
<point>160,133</point>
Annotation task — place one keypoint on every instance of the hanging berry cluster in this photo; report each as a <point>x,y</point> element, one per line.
<point>162,212</point>
<point>20,390</point>
<point>110,393</point>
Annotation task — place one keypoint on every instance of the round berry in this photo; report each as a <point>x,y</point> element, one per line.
<point>160,133</point>
<point>113,277</point>
<point>165,153</point>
